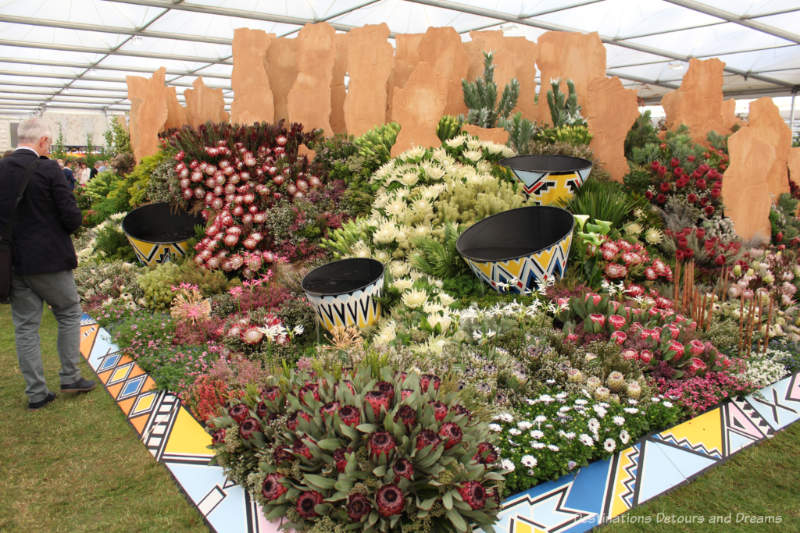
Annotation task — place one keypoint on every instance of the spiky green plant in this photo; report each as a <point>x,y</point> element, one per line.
<point>375,145</point>
<point>439,258</point>
<point>605,200</point>
<point>480,96</point>
<point>521,132</point>
<point>564,108</point>
<point>448,127</point>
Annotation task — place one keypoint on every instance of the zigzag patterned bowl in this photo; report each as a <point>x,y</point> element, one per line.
<point>157,234</point>
<point>519,250</point>
<point>345,293</point>
<point>549,179</point>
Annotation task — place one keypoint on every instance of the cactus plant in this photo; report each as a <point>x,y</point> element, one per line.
<point>521,132</point>
<point>564,109</point>
<point>448,127</point>
<point>481,97</point>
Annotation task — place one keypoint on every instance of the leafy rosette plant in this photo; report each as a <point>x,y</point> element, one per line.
<point>367,454</point>
<point>622,260</point>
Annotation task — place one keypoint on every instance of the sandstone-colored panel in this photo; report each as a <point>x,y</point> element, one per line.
<point>204,104</point>
<point>610,112</point>
<point>309,101</point>
<point>252,100</point>
<point>369,64</point>
<point>149,112</point>
<point>794,164</point>
<point>406,57</point>
<point>495,135</point>
<point>580,57</point>
<point>745,193</point>
<point>338,89</point>
<point>514,57</point>
<point>698,101</point>
<point>444,49</point>
<point>282,70</point>
<point>766,119</point>
<point>176,113</point>
<point>418,106</point>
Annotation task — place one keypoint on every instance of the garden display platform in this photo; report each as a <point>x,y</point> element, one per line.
<point>576,502</point>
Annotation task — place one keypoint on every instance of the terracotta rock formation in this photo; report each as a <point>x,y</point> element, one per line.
<point>514,57</point>
<point>698,101</point>
<point>204,104</point>
<point>580,57</point>
<point>495,135</point>
<point>282,71</point>
<point>252,100</point>
<point>406,57</point>
<point>443,48</point>
<point>309,101</point>
<point>369,63</point>
<point>418,106</point>
<point>149,111</point>
<point>794,165</point>
<point>338,90</point>
<point>176,116</point>
<point>610,111</point>
<point>766,120</point>
<point>744,189</point>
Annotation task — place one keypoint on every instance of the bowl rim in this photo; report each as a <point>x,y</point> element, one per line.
<point>532,252</point>
<point>580,163</point>
<point>347,259</point>
<point>151,205</point>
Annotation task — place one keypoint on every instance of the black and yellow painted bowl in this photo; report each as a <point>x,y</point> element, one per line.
<point>158,234</point>
<point>549,179</point>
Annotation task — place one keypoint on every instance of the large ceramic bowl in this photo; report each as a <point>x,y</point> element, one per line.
<point>519,250</point>
<point>549,179</point>
<point>345,293</point>
<point>158,234</point>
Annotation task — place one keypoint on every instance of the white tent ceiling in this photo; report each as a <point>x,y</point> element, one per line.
<point>75,54</point>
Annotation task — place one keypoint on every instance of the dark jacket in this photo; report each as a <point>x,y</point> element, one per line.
<point>70,178</point>
<point>45,217</point>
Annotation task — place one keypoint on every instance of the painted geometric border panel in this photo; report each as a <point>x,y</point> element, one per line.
<point>575,503</point>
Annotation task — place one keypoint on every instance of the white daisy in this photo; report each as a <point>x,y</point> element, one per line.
<point>529,461</point>
<point>524,425</point>
<point>508,465</point>
<point>495,427</point>
<point>624,436</point>
<point>631,410</point>
<point>594,425</point>
<point>515,431</point>
<point>552,447</point>
<point>506,417</point>
<point>586,440</point>
<point>536,434</point>
<point>618,420</point>
<point>538,445</point>
<point>610,445</point>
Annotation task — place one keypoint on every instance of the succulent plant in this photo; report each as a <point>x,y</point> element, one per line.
<point>370,454</point>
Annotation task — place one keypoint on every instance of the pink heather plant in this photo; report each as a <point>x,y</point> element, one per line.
<point>700,393</point>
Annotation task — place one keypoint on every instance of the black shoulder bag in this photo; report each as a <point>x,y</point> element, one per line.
<point>6,258</point>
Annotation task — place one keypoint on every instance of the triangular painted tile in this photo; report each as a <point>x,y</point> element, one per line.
<point>149,385</point>
<point>104,376</point>
<point>656,473</point>
<point>139,423</point>
<point>736,442</point>
<point>188,437</point>
<point>88,334</point>
<point>126,405</point>
<point>688,463</point>
<point>136,371</point>
<point>113,390</point>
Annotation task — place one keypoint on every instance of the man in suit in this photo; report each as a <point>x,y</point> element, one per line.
<point>68,175</point>
<point>43,261</point>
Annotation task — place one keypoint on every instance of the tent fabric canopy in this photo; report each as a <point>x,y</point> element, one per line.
<point>76,53</point>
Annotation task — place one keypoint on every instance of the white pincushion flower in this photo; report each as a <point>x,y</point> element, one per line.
<point>409,179</point>
<point>398,269</point>
<point>385,234</point>
<point>396,207</point>
<point>386,334</point>
<point>529,461</point>
<point>403,284</point>
<point>445,299</point>
<point>473,155</point>
<point>414,298</point>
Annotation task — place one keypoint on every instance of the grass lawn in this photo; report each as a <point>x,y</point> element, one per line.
<point>76,466</point>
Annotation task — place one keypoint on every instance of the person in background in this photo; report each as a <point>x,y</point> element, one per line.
<point>43,261</point>
<point>103,166</point>
<point>70,177</point>
<point>94,170</point>
<point>83,173</point>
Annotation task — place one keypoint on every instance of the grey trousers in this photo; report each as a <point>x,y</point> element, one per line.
<point>27,294</point>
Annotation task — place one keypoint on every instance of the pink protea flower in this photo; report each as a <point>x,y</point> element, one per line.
<point>650,273</point>
<point>619,337</point>
<point>252,335</point>
<point>645,356</point>
<point>634,291</point>
<point>677,348</point>
<point>630,355</point>
<point>696,365</point>
<point>696,347</point>
<point>615,271</point>
<point>616,321</point>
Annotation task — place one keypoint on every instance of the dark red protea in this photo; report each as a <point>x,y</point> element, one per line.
<point>473,493</point>
<point>329,409</point>
<point>261,410</point>
<point>292,422</point>
<point>427,379</point>
<point>390,500</point>
<point>381,442</point>
<point>407,415</point>
<point>218,437</point>
<point>299,448</point>
<point>358,507</point>
<point>309,388</point>
<point>427,437</point>
<point>403,468</point>
<point>282,454</point>
<point>349,385</point>
<point>271,393</point>
<point>378,401</point>
<point>451,434</point>
<point>385,388</point>
<point>460,410</point>
<point>340,459</point>
<point>239,412</point>
<point>439,410</point>
<point>306,503</point>
<point>403,376</point>
<point>405,393</point>
<point>272,488</point>
<point>486,455</point>
<point>248,427</point>
<point>350,415</point>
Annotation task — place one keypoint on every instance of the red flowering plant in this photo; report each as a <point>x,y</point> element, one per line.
<point>647,329</point>
<point>628,262</point>
<point>365,453</point>
<point>708,252</point>
<point>700,393</point>
<point>260,198</point>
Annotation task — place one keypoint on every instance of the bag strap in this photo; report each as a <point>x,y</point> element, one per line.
<point>23,185</point>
